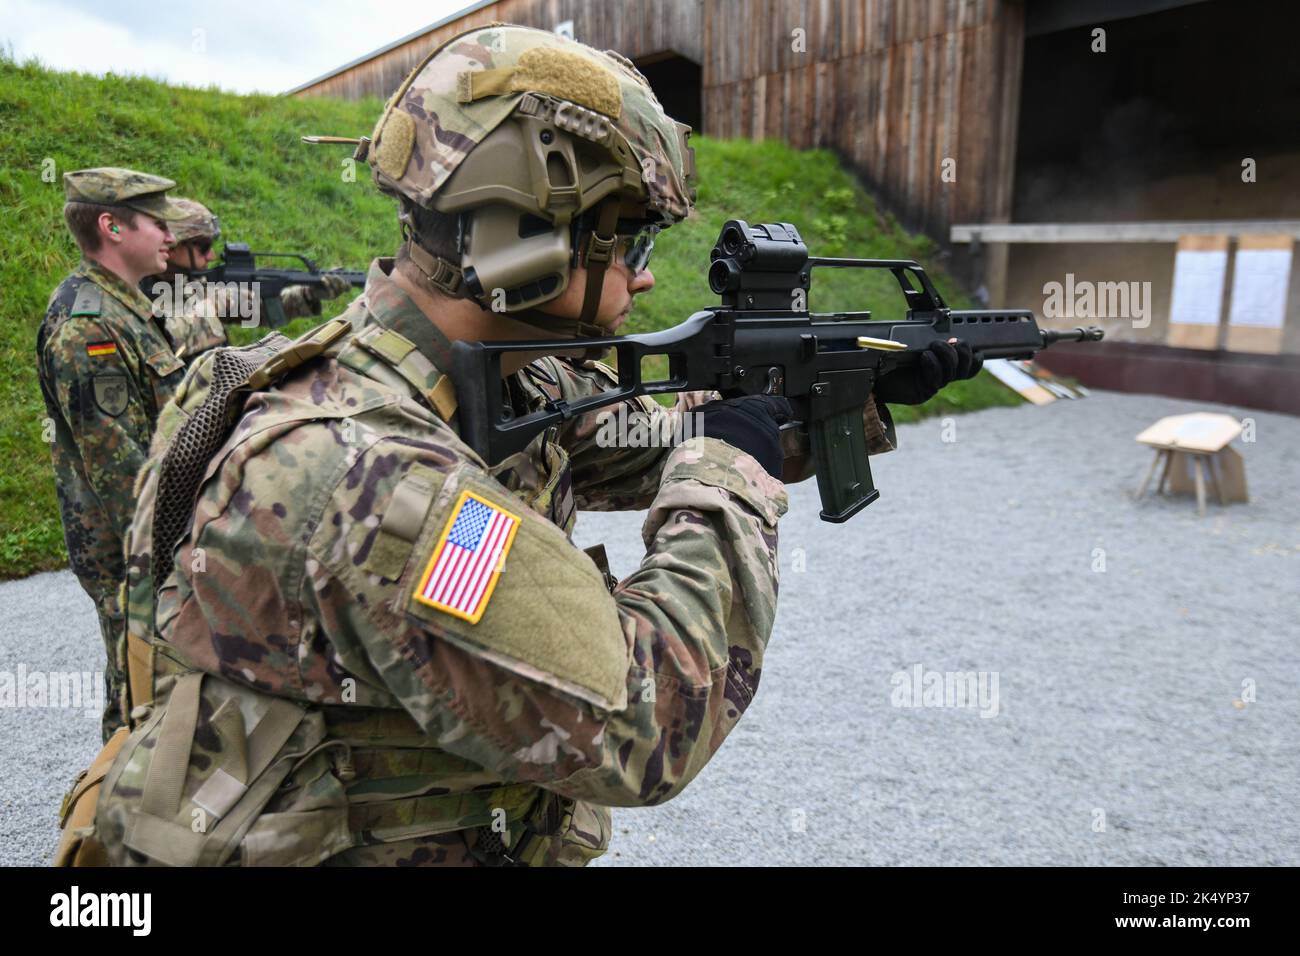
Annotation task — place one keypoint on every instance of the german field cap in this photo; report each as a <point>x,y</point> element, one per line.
<point>110,186</point>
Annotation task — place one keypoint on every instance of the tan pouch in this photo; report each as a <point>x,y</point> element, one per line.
<point>211,763</point>
<point>580,835</point>
<point>77,843</point>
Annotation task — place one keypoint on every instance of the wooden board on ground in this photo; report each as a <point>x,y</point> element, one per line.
<point>1030,381</point>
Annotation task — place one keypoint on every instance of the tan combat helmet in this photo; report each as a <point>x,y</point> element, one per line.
<point>570,150</point>
<point>198,222</point>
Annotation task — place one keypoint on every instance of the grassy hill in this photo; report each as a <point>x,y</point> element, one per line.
<point>241,156</point>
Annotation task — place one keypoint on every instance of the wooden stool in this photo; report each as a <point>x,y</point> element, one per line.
<point>1193,450</point>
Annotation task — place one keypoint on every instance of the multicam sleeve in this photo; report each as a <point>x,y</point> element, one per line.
<point>878,425</point>
<point>197,330</point>
<point>622,709</point>
<point>617,453</point>
<point>99,399</point>
<point>300,300</point>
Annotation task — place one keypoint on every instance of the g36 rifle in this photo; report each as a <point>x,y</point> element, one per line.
<point>239,264</point>
<point>762,339</point>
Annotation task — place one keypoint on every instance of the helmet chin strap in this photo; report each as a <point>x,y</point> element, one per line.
<point>599,254</point>
<point>552,325</point>
<point>443,276</point>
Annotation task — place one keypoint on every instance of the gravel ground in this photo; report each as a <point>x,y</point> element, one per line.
<point>1118,733</point>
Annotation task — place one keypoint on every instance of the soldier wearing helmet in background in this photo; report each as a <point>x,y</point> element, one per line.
<point>359,643</point>
<point>198,325</point>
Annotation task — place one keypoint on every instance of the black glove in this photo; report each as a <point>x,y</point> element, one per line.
<point>940,364</point>
<point>750,423</point>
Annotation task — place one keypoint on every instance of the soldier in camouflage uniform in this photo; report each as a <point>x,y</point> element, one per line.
<point>106,369</point>
<point>199,324</point>
<point>361,644</point>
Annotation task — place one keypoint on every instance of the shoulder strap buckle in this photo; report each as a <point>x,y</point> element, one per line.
<point>440,273</point>
<point>302,349</point>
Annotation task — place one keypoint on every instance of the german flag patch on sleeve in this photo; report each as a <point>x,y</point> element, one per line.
<point>100,349</point>
<point>468,558</point>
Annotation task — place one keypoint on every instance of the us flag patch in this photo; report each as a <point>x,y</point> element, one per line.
<point>101,348</point>
<point>468,558</point>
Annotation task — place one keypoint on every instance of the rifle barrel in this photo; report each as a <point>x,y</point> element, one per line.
<point>1078,334</point>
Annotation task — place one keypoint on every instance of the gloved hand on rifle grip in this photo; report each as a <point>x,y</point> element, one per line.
<point>940,364</point>
<point>750,423</point>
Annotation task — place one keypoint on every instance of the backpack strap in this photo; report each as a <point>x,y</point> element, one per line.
<point>171,756</point>
<point>231,797</point>
<point>403,356</point>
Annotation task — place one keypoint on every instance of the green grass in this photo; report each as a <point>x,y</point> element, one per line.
<point>241,156</point>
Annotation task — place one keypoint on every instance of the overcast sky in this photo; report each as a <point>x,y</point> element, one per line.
<point>239,45</point>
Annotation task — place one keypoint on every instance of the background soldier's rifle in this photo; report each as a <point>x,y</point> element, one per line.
<point>239,264</point>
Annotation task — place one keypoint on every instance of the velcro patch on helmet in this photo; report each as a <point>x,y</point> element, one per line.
<point>396,140</point>
<point>565,75</point>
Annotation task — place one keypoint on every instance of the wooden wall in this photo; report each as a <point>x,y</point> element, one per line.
<point>893,86</point>
<point>635,28</point>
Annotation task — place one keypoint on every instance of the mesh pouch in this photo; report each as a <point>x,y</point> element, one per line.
<point>194,445</point>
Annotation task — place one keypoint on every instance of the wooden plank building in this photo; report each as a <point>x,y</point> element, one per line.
<point>895,87</point>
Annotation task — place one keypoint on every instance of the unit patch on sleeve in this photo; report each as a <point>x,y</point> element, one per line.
<point>468,558</point>
<point>111,393</point>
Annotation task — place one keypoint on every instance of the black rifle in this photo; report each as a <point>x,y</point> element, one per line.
<point>239,264</point>
<point>763,340</point>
